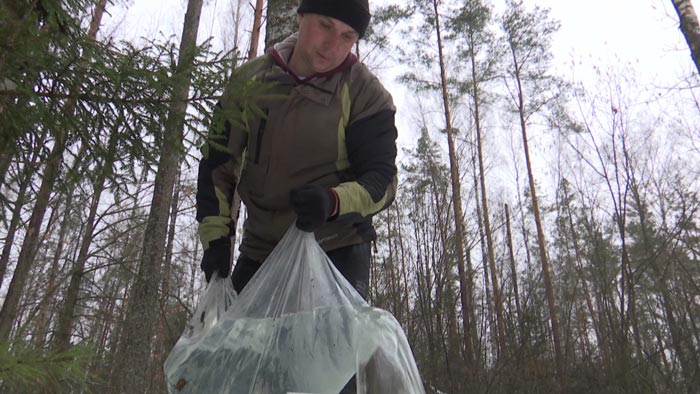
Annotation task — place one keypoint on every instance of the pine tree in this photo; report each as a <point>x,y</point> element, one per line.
<point>255,33</point>
<point>471,24</point>
<point>528,36</point>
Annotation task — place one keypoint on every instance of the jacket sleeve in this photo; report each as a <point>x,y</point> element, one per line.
<point>219,169</point>
<point>371,146</point>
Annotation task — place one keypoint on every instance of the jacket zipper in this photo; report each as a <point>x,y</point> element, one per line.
<point>261,130</point>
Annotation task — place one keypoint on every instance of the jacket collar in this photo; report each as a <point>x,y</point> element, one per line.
<point>282,51</point>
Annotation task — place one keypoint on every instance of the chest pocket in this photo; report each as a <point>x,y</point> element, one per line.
<point>310,132</point>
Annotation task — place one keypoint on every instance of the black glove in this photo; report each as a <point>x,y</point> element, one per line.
<point>313,205</point>
<point>217,258</point>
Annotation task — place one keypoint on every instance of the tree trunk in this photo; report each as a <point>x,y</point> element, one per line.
<point>115,341</point>
<point>42,323</point>
<point>67,315</point>
<point>501,338</point>
<point>134,354</point>
<point>27,308</point>
<point>484,260</point>
<point>402,259</point>
<point>8,314</point>
<point>454,172</point>
<point>163,332</point>
<point>690,27</point>
<point>466,291</point>
<point>5,160</point>
<point>586,290</point>
<point>424,303</point>
<point>108,316</point>
<point>514,275</point>
<point>395,295</point>
<point>281,20</point>
<point>546,274</point>
<point>255,34</point>
<point>622,356</point>
<point>473,329</point>
<point>172,224</point>
<point>14,223</point>
<point>97,18</point>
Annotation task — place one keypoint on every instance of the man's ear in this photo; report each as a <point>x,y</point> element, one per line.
<point>299,17</point>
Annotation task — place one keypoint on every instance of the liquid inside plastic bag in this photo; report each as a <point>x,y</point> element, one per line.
<point>297,327</point>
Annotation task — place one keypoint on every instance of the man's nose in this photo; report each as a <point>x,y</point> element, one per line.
<point>331,40</point>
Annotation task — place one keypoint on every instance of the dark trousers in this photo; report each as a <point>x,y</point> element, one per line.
<point>352,261</point>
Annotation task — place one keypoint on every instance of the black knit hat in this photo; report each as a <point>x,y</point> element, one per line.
<point>353,12</point>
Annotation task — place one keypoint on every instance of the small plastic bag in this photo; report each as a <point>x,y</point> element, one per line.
<point>217,299</point>
<point>298,327</point>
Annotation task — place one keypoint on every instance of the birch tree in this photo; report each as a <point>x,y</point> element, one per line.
<point>690,27</point>
<point>281,20</point>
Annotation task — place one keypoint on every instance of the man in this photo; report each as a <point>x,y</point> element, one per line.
<point>323,156</point>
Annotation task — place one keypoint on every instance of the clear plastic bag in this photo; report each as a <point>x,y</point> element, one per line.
<point>297,327</point>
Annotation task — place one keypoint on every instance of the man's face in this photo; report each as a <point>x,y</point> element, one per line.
<point>323,44</point>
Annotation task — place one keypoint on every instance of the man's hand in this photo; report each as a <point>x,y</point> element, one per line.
<point>217,258</point>
<point>313,205</point>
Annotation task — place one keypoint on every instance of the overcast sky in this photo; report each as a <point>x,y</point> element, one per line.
<point>644,30</point>
<point>642,33</point>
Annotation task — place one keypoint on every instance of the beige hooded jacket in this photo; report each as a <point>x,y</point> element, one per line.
<point>335,130</point>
